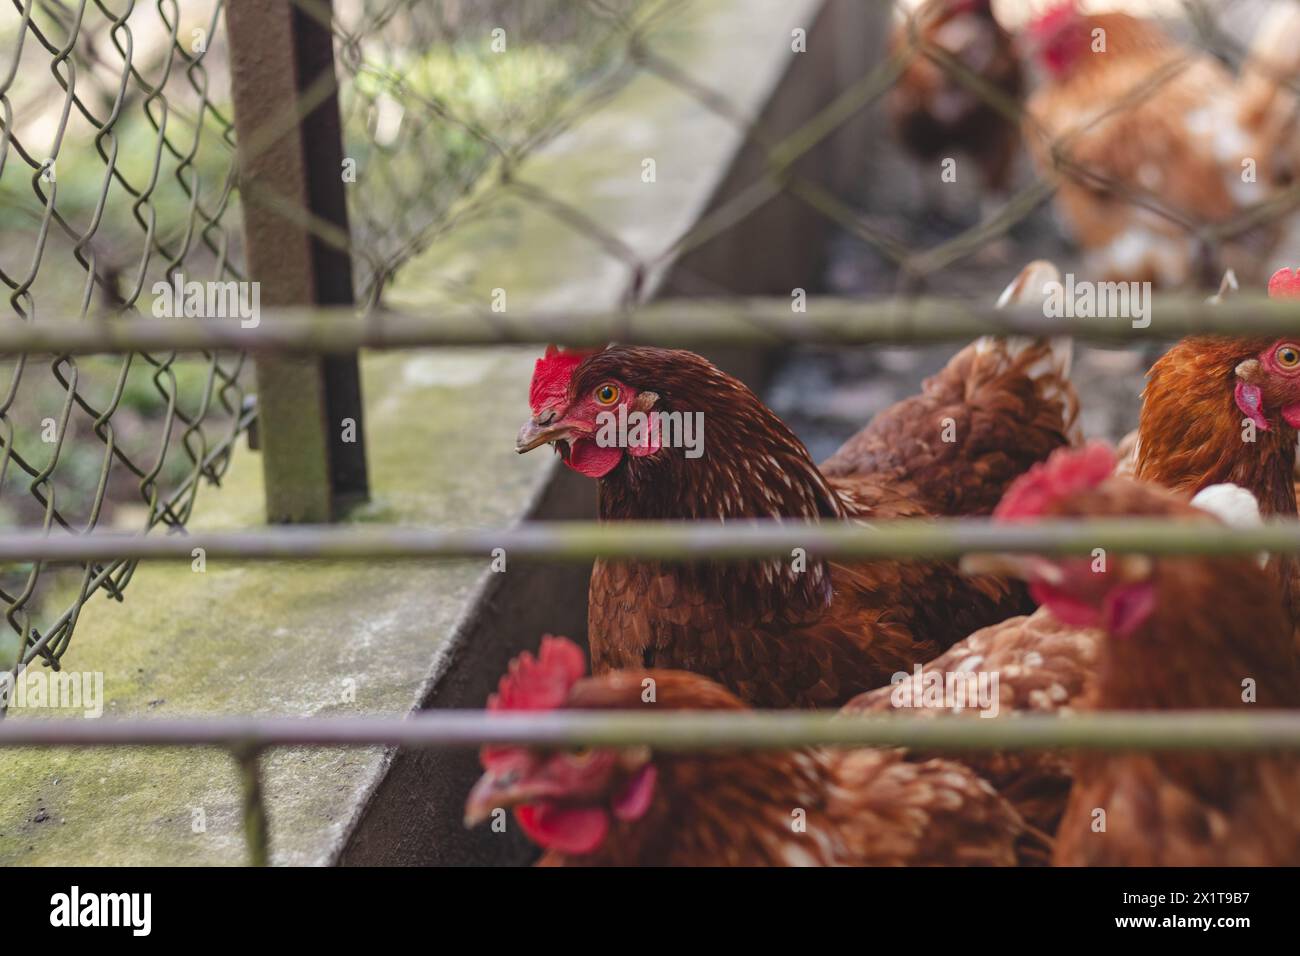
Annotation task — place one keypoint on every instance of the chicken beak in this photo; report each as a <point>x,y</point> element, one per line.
<point>492,792</point>
<point>539,431</point>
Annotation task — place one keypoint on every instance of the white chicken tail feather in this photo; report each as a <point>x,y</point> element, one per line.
<point>1234,506</point>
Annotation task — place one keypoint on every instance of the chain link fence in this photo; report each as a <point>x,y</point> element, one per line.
<point>116,172</point>
<point>119,170</point>
<point>441,102</point>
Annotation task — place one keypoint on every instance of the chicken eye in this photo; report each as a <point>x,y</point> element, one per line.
<point>607,394</point>
<point>1288,356</point>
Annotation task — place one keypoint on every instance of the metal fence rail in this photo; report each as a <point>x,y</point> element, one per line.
<point>684,731</point>
<point>674,323</point>
<point>688,541</point>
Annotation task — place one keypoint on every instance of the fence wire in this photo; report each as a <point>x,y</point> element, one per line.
<point>116,172</point>
<point>441,102</point>
<point>441,126</point>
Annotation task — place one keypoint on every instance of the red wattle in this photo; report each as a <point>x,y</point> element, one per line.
<point>1249,399</point>
<point>1127,607</point>
<point>1292,415</point>
<point>572,830</point>
<point>588,458</point>
<point>1067,609</point>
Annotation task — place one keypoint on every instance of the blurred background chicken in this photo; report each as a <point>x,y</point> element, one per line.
<point>935,115</point>
<point>1156,145</point>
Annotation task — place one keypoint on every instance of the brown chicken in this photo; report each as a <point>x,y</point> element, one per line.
<point>1182,633</point>
<point>982,391</point>
<point>1269,97</point>
<point>804,632</point>
<point>1226,410</point>
<point>1151,142</point>
<point>1045,663</point>
<point>1190,440</point>
<point>934,115</point>
<point>808,807</point>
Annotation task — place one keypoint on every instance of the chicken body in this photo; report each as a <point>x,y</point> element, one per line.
<point>1010,404</point>
<point>1148,141</point>
<point>1043,667</point>
<point>1190,438</point>
<point>806,807</point>
<point>1214,626</point>
<point>1192,434</point>
<point>807,632</point>
<point>818,807</point>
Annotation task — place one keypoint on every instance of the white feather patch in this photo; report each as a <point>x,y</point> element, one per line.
<point>1234,506</point>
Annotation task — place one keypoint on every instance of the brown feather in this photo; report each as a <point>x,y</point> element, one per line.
<point>1043,667</point>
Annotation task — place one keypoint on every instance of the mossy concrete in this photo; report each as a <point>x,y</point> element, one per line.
<point>285,639</point>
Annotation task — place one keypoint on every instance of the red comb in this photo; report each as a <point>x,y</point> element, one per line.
<point>1285,284</point>
<point>541,682</point>
<point>1067,472</point>
<point>1053,18</point>
<point>551,376</point>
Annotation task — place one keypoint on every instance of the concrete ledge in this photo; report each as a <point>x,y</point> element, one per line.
<point>413,816</point>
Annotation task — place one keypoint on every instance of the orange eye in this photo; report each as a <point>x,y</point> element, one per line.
<point>1288,356</point>
<point>607,394</point>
